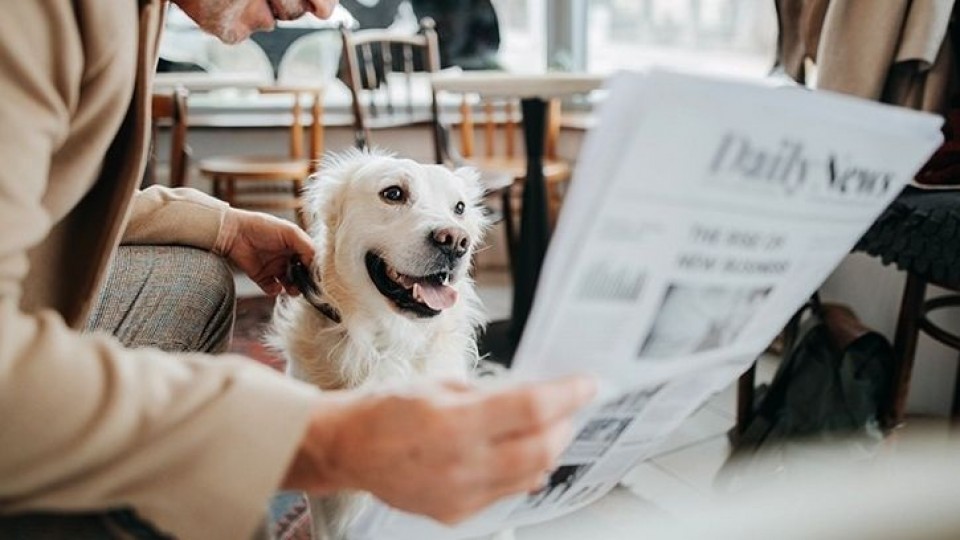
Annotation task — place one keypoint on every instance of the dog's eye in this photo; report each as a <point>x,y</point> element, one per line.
<point>393,194</point>
<point>459,208</point>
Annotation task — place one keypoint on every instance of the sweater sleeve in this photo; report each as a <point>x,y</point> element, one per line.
<point>181,216</point>
<point>194,443</point>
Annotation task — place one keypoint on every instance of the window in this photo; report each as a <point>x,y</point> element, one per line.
<point>733,37</point>
<point>522,34</point>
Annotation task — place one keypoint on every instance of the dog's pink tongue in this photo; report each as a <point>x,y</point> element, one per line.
<point>438,297</point>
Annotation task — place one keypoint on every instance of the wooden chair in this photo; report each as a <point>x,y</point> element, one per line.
<point>499,122</point>
<point>920,233</point>
<point>388,77</point>
<point>381,69</point>
<point>273,182</point>
<point>170,109</point>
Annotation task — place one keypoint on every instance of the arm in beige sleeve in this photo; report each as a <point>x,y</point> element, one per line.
<point>182,216</point>
<point>195,444</point>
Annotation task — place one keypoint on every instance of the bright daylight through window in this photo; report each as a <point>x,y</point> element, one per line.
<point>731,37</point>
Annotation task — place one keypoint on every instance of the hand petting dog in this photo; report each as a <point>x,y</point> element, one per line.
<point>261,246</point>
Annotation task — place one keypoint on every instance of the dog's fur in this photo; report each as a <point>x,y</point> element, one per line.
<point>378,341</point>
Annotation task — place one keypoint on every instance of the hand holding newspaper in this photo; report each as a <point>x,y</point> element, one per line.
<point>702,214</point>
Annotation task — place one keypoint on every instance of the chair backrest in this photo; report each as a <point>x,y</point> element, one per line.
<point>302,95</point>
<point>381,70</point>
<point>171,108</point>
<point>500,121</point>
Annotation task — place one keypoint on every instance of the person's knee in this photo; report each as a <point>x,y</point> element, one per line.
<point>174,298</point>
<point>212,283</point>
<point>213,274</point>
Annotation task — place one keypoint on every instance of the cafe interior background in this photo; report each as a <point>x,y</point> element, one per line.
<point>727,38</point>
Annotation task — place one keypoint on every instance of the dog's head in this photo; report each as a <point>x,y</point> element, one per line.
<point>393,230</point>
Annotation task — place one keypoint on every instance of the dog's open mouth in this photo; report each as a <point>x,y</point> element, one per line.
<point>425,296</point>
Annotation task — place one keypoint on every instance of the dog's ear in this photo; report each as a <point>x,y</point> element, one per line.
<point>322,194</point>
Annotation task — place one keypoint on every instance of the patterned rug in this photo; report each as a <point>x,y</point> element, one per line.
<point>289,514</point>
<point>253,315</point>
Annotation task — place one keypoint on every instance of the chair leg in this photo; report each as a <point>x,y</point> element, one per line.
<point>904,348</point>
<point>230,190</point>
<point>299,210</point>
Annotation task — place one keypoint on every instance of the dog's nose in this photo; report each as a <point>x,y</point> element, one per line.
<point>451,241</point>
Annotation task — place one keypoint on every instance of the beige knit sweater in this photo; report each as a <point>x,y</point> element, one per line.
<point>194,443</point>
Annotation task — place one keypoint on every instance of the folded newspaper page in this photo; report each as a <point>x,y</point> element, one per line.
<point>703,213</point>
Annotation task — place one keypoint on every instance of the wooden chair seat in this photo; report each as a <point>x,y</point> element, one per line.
<point>503,174</point>
<point>261,167</point>
<point>272,182</point>
<point>554,170</point>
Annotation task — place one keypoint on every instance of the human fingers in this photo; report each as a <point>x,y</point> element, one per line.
<point>498,477</point>
<point>270,285</point>
<point>296,240</point>
<point>534,406</point>
<point>519,464</point>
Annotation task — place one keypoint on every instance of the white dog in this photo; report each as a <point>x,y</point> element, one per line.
<point>394,242</point>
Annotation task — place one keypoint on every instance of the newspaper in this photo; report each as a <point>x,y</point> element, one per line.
<point>702,214</point>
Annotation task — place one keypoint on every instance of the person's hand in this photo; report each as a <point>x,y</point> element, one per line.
<point>445,450</point>
<point>261,246</point>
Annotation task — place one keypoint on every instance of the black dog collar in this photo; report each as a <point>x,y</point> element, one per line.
<point>299,275</point>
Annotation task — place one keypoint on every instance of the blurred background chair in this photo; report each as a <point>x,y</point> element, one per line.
<point>501,156</point>
<point>387,73</point>
<point>535,92</point>
<point>919,233</point>
<point>169,109</point>
<point>273,182</point>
